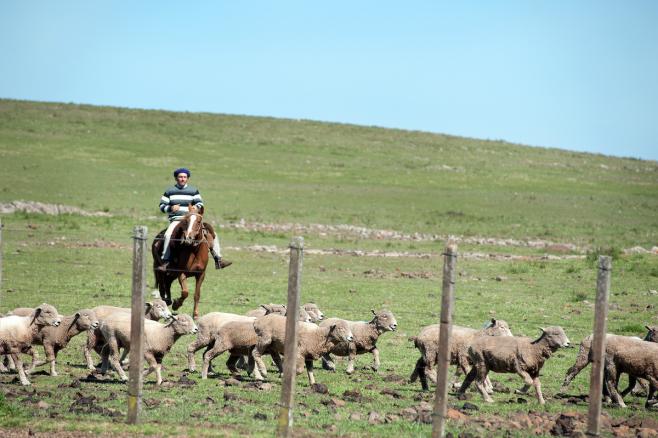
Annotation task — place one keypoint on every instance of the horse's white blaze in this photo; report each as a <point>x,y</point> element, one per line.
<point>190,226</point>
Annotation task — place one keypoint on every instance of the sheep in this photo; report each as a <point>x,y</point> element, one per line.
<point>584,357</point>
<point>314,312</point>
<point>55,339</point>
<point>427,342</point>
<point>17,332</point>
<point>511,354</point>
<point>637,358</point>
<point>239,339</point>
<point>312,342</point>
<point>280,309</point>
<point>210,324</point>
<point>153,310</point>
<point>158,340</point>
<point>365,339</point>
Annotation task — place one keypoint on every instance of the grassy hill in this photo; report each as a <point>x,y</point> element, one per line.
<point>286,171</point>
<point>271,170</point>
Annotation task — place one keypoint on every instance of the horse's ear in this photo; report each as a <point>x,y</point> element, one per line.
<point>200,209</point>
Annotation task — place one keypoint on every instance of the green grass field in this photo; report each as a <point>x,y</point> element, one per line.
<point>284,171</point>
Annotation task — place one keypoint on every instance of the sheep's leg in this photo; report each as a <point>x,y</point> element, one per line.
<point>114,359</point>
<point>196,345</point>
<point>641,387</point>
<point>653,386</point>
<point>582,360</point>
<point>309,371</point>
<point>19,368</point>
<point>632,380</point>
<point>153,366</point>
<point>260,370</point>
<point>276,357</point>
<point>419,371</point>
<point>251,364</point>
<point>376,363</point>
<point>540,396</point>
<point>209,355</point>
<point>479,383</point>
<point>3,367</point>
<point>611,381</point>
<point>50,357</point>
<point>351,355</point>
<point>328,363</point>
<point>467,381</point>
<point>231,364</point>
<point>92,339</point>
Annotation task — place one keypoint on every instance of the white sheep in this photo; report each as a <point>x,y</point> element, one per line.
<point>638,359</point>
<point>239,339</point>
<point>312,342</point>
<point>427,342</point>
<point>154,310</point>
<point>17,332</point>
<point>511,354</point>
<point>158,340</point>
<point>365,339</point>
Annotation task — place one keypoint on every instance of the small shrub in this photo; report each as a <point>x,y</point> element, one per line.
<point>572,270</point>
<point>579,297</point>
<point>612,251</point>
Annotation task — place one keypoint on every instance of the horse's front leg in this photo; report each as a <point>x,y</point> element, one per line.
<point>197,294</point>
<point>182,279</point>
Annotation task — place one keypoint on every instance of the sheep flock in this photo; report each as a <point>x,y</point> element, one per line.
<point>247,338</point>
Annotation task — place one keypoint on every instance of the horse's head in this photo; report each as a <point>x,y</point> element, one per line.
<point>192,227</point>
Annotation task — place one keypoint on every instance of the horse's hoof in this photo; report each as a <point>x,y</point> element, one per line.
<point>175,305</point>
<point>168,302</point>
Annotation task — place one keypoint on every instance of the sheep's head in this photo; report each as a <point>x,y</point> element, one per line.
<point>340,332</point>
<point>86,319</point>
<point>497,327</point>
<point>384,320</point>
<point>555,337</point>
<point>157,309</point>
<point>183,324</point>
<point>652,333</point>
<point>314,312</point>
<point>46,314</point>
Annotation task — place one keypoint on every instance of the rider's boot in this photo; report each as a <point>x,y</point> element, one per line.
<point>221,264</point>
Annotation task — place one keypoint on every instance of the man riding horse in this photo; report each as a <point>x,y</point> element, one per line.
<point>176,201</point>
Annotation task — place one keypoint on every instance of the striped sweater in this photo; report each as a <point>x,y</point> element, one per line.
<point>182,196</point>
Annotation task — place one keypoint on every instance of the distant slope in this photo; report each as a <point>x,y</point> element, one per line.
<point>275,170</point>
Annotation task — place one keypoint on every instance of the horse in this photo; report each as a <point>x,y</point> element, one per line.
<point>190,242</point>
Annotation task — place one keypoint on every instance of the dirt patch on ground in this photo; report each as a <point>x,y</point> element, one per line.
<point>43,208</point>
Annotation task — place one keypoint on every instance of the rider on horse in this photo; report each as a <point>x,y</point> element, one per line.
<point>176,201</point>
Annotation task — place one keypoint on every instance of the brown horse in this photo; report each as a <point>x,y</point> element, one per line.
<point>190,243</point>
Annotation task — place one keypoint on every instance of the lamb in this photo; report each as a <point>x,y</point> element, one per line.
<point>637,358</point>
<point>280,309</point>
<point>239,339</point>
<point>427,342</point>
<point>314,312</point>
<point>312,342</point>
<point>17,332</point>
<point>511,354</point>
<point>584,357</point>
<point>365,339</point>
<point>158,340</point>
<point>153,310</point>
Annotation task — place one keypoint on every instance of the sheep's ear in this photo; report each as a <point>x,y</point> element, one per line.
<point>332,328</point>
<point>373,312</point>
<point>148,306</point>
<point>647,327</point>
<point>493,321</point>
<point>263,306</point>
<point>542,329</point>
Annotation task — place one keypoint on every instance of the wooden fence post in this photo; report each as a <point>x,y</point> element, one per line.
<point>137,325</point>
<point>447,302</point>
<point>598,345</point>
<point>284,428</point>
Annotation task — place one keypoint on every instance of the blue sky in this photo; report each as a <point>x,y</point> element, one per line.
<point>573,75</point>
